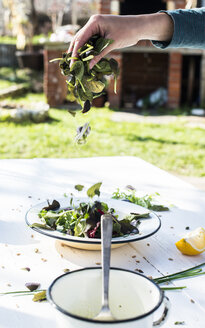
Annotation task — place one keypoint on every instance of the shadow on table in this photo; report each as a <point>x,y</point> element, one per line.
<point>86,258</point>
<point>8,317</point>
<point>15,233</point>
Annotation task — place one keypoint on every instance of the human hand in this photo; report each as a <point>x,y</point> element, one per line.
<point>125,31</point>
<point>117,28</point>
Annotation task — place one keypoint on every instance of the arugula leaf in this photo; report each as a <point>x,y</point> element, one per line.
<point>147,201</point>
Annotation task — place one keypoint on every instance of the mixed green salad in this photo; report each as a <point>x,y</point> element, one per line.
<point>84,219</point>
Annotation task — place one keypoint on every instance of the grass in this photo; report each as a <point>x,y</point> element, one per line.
<point>173,147</point>
<point>12,40</point>
<point>10,76</point>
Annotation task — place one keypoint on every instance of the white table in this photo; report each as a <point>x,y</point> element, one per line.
<point>24,183</point>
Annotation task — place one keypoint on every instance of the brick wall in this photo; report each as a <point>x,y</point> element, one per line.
<point>142,74</point>
<point>175,4</point>
<point>104,6</point>
<point>180,4</point>
<point>174,79</point>
<point>175,68</point>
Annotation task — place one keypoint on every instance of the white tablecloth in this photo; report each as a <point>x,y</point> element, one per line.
<point>24,183</point>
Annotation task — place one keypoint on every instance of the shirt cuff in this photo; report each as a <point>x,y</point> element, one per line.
<point>189,31</point>
<point>166,44</point>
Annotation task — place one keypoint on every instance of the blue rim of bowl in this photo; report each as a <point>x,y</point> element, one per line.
<point>67,313</point>
<point>92,241</point>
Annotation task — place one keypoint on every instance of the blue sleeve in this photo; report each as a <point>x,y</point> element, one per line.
<point>189,29</point>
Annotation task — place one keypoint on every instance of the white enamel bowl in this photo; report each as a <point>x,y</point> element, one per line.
<point>133,299</point>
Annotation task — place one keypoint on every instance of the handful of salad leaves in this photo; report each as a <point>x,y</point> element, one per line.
<point>85,84</point>
<point>84,219</point>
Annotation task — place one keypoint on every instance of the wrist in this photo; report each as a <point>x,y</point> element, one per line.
<point>159,27</point>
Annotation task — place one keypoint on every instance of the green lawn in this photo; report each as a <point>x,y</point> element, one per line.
<point>172,147</point>
<point>10,76</point>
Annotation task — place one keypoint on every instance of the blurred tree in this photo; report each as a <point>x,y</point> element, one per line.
<point>22,21</point>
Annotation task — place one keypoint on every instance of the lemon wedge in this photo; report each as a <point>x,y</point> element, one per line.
<point>193,242</point>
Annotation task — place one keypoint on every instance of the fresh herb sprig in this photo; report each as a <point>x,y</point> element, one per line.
<point>191,272</point>
<point>40,294</point>
<point>147,201</point>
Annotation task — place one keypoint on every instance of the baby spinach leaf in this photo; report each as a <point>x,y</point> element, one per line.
<point>102,43</point>
<point>103,66</point>
<point>86,106</point>
<point>78,69</point>
<point>94,86</point>
<point>84,84</point>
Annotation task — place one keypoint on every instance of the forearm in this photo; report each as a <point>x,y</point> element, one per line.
<point>159,27</point>
<point>178,28</point>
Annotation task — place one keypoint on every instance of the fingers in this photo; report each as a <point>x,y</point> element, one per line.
<point>92,27</point>
<point>70,49</point>
<point>79,40</point>
<point>103,53</point>
<point>83,36</point>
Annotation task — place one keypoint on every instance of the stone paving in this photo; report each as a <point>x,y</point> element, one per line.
<point>190,121</point>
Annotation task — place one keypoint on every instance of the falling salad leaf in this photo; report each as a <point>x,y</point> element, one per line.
<point>82,133</point>
<point>94,190</point>
<point>79,187</point>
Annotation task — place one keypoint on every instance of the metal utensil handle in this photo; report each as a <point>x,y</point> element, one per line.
<point>164,316</point>
<point>106,236</point>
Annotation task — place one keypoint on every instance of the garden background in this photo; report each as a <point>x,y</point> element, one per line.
<point>140,121</point>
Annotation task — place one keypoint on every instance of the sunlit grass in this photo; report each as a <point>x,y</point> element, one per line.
<point>173,147</point>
